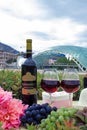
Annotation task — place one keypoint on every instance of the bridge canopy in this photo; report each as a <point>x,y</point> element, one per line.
<point>71,52</point>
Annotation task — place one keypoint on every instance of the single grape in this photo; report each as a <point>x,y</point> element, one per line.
<point>60,112</point>
<point>48,109</point>
<point>54,109</point>
<point>52,118</point>
<point>34,104</point>
<point>47,120</point>
<point>23,119</point>
<point>45,105</point>
<point>42,111</point>
<point>37,111</point>
<point>28,113</point>
<point>53,113</point>
<point>30,108</point>
<point>30,120</point>
<point>38,106</point>
<point>42,124</point>
<point>61,119</point>
<point>33,112</point>
<point>34,122</point>
<point>66,113</point>
<point>38,117</point>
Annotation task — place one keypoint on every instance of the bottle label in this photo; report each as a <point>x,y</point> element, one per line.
<point>28,84</point>
<point>28,91</point>
<point>28,77</point>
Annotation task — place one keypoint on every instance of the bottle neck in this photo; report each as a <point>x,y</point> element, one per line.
<point>29,49</point>
<point>29,54</point>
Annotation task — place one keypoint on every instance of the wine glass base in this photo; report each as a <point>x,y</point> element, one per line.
<point>58,99</point>
<point>59,104</point>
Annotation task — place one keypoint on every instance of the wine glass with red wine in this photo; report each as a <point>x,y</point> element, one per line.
<point>70,82</point>
<point>50,81</point>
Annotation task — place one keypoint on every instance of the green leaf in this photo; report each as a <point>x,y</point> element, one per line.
<point>81,117</point>
<point>86,120</point>
<point>31,127</point>
<point>83,127</point>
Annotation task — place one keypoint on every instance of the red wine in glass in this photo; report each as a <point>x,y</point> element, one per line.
<point>50,81</point>
<point>70,86</point>
<point>70,82</point>
<point>50,86</point>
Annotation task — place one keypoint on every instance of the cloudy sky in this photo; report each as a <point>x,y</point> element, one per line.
<point>47,22</point>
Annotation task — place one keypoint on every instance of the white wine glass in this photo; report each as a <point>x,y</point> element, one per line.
<point>50,81</point>
<point>70,82</point>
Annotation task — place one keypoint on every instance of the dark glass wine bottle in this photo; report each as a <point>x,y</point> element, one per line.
<point>29,77</point>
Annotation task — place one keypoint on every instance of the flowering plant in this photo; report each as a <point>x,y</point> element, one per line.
<point>11,110</point>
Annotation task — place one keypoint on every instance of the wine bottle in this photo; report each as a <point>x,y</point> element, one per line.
<point>29,77</point>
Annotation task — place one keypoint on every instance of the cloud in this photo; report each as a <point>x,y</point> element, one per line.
<point>22,8</point>
<point>39,34</point>
<point>48,23</point>
<point>74,9</point>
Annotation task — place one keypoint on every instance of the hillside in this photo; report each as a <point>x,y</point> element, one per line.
<point>6,48</point>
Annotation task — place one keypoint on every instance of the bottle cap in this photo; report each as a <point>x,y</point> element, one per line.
<point>29,40</point>
<point>29,44</point>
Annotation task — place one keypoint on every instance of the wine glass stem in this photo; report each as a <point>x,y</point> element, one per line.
<point>70,99</point>
<point>50,99</point>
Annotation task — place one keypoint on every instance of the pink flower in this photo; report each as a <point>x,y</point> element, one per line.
<point>11,110</point>
<point>4,96</point>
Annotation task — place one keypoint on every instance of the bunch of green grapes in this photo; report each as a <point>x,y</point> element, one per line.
<point>59,116</point>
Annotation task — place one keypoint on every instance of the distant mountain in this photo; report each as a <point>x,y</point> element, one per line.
<point>6,48</point>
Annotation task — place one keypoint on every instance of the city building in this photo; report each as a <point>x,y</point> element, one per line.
<point>6,56</point>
